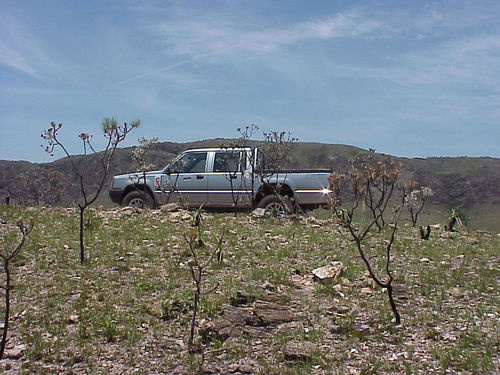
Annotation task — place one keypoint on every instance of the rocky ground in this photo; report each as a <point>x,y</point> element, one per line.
<point>284,296</point>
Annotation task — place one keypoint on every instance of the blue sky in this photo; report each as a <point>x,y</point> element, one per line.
<point>407,78</point>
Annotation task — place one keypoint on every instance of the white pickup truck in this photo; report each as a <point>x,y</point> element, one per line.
<point>227,178</point>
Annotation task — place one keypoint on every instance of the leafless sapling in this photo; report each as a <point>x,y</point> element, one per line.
<point>274,156</point>
<point>197,268</point>
<point>415,200</point>
<point>114,134</point>
<point>7,256</point>
<point>372,182</point>
<point>234,162</point>
<point>140,155</point>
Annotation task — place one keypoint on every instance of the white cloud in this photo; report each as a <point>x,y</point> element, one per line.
<point>471,60</point>
<point>18,46</point>
<point>14,59</point>
<point>221,36</point>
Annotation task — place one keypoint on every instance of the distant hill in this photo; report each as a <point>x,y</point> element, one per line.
<point>456,181</point>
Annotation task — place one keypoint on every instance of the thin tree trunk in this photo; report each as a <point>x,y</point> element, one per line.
<point>193,319</point>
<point>82,248</point>
<point>7,308</point>
<point>393,304</point>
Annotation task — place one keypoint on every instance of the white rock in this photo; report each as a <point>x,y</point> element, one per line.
<point>259,212</point>
<point>16,352</point>
<point>365,292</point>
<point>330,272</point>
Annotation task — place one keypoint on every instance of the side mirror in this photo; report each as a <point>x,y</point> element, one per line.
<point>167,170</point>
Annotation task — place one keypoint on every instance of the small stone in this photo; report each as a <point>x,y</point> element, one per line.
<point>299,350</point>
<point>336,329</point>
<point>169,207</point>
<point>73,319</point>
<point>365,292</point>
<point>16,352</point>
<point>345,281</point>
<point>484,233</point>
<point>246,369</point>
<point>232,368</point>
<point>456,292</point>
<point>399,289</point>
<point>241,298</point>
<point>425,260</point>
<point>259,212</point>
<point>339,309</point>
<point>272,313</point>
<point>337,288</point>
<point>363,327</point>
<point>330,272</point>
<point>291,327</point>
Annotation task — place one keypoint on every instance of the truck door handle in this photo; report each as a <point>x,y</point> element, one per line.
<point>232,177</point>
<point>199,177</point>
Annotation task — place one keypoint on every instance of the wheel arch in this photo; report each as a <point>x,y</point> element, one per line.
<point>140,187</point>
<point>268,189</point>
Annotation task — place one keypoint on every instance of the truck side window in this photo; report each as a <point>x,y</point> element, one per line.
<point>190,163</point>
<point>227,162</point>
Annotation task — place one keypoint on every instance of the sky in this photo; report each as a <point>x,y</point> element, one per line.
<point>406,78</point>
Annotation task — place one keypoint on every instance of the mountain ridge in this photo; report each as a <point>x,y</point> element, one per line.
<point>456,181</point>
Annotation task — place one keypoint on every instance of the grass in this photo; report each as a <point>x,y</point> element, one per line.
<point>128,307</point>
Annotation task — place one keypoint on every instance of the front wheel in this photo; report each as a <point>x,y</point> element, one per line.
<point>276,206</point>
<point>138,199</point>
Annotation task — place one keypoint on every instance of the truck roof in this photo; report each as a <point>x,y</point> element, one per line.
<point>215,149</point>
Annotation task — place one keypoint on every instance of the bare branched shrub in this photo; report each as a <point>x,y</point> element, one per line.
<point>415,200</point>
<point>276,151</point>
<point>237,154</point>
<point>372,182</point>
<point>140,155</point>
<point>114,135</point>
<point>7,255</point>
<point>273,159</point>
<point>197,267</point>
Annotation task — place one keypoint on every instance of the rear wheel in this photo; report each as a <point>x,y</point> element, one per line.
<point>138,199</point>
<point>276,206</point>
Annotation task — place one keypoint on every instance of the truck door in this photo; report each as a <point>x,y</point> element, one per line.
<point>228,184</point>
<point>187,180</point>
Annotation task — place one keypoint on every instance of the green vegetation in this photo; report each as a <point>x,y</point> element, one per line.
<point>128,308</point>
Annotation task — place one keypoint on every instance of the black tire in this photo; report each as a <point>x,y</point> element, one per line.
<point>276,206</point>
<point>138,199</point>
